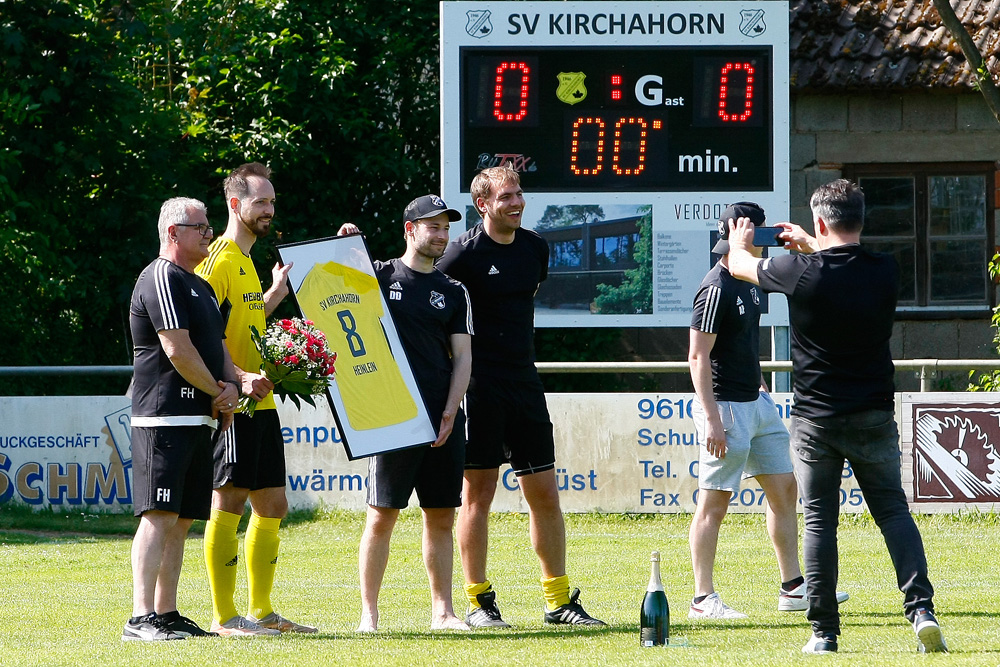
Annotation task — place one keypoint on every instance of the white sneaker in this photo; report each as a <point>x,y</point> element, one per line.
<point>821,644</point>
<point>795,599</point>
<point>929,637</point>
<point>713,607</point>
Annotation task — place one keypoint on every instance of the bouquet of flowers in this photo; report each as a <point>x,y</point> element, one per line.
<point>296,358</point>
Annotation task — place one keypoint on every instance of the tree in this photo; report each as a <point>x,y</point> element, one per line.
<point>572,214</point>
<point>975,59</point>
<point>635,294</point>
<point>108,109</point>
<point>80,149</point>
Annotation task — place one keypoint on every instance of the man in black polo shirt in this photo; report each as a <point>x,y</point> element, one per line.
<point>502,265</point>
<point>434,320</point>
<point>183,379</point>
<point>841,303</point>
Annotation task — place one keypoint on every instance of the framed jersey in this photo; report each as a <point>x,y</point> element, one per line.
<point>375,399</point>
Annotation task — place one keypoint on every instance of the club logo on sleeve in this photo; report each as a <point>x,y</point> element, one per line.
<point>437,300</point>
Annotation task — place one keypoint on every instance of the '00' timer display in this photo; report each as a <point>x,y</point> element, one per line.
<point>645,118</point>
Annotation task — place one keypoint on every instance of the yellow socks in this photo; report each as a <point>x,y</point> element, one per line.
<point>556,591</point>
<point>261,548</point>
<point>221,558</point>
<point>472,590</point>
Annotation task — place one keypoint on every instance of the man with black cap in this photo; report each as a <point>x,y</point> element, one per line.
<point>739,430</point>
<point>434,319</point>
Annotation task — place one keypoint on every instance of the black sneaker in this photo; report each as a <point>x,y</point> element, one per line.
<point>572,613</point>
<point>929,636</point>
<point>821,643</point>
<point>147,629</point>
<point>182,625</point>
<point>487,615</point>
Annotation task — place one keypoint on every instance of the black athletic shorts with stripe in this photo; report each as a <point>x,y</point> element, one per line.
<point>435,473</point>
<point>251,453</point>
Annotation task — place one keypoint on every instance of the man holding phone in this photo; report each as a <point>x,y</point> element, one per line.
<point>740,432</point>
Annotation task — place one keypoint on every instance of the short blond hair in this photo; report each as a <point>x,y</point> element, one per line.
<point>488,179</point>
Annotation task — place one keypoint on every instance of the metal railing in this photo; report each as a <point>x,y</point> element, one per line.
<point>926,369</point>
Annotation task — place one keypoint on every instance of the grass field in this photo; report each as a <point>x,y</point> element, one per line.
<point>65,591</point>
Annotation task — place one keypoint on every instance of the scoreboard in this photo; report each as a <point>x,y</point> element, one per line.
<point>632,125</point>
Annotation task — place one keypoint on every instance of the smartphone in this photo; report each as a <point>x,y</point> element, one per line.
<point>767,236</point>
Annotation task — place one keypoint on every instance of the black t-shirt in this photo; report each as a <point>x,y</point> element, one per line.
<point>730,309</point>
<point>166,297</point>
<point>502,280</point>
<point>841,305</point>
<point>426,308</point>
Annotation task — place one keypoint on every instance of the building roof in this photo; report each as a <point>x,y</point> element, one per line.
<point>885,45</point>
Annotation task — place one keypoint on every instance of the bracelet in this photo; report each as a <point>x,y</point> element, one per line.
<point>239,387</point>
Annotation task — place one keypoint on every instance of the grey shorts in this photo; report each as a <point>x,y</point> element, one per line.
<point>756,444</point>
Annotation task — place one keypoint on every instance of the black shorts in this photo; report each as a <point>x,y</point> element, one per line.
<point>508,423</point>
<point>172,470</point>
<point>434,472</point>
<point>251,453</point>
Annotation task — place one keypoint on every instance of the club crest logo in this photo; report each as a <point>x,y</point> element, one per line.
<point>752,22</point>
<point>571,89</point>
<point>478,24</point>
<point>437,201</point>
<point>437,300</point>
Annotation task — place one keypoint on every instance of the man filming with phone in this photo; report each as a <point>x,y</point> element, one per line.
<point>740,432</point>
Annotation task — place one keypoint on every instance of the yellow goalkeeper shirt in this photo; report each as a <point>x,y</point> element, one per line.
<point>346,304</point>
<point>237,288</point>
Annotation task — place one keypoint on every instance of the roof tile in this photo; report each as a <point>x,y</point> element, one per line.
<point>864,44</point>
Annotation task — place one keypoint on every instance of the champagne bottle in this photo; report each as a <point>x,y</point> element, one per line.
<point>654,619</point>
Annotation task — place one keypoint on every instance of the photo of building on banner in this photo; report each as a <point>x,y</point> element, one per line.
<point>375,399</point>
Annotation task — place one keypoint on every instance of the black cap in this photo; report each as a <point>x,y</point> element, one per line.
<point>741,209</point>
<point>427,207</point>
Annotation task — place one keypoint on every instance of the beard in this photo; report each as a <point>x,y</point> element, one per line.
<point>430,250</point>
<point>259,227</point>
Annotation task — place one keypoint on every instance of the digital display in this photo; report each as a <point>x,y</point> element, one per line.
<point>695,119</point>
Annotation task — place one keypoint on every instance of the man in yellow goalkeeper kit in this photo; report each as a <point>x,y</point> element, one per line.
<point>250,458</point>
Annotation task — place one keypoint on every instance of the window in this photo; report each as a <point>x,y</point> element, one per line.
<point>615,251</point>
<point>566,253</point>
<point>937,220</point>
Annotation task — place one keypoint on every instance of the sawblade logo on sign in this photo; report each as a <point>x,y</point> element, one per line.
<point>478,24</point>
<point>955,453</point>
<point>752,22</point>
<point>571,89</point>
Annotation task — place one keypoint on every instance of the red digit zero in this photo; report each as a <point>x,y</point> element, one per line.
<point>520,91</point>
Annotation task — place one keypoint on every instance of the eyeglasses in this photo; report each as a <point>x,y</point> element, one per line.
<point>204,228</point>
